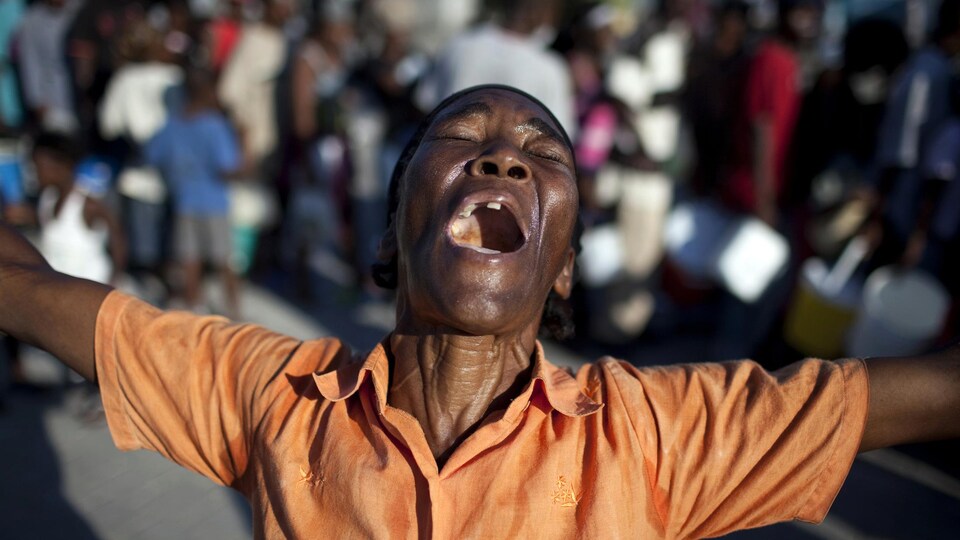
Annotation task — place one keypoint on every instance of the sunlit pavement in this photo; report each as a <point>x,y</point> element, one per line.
<point>62,478</point>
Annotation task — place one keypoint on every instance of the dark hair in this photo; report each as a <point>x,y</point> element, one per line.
<point>874,42</point>
<point>783,6</point>
<point>733,7</point>
<point>948,19</point>
<point>557,319</point>
<point>198,81</point>
<point>63,147</point>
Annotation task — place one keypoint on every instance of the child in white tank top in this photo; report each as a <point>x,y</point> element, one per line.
<point>78,234</point>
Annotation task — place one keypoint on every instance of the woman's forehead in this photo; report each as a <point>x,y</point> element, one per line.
<point>498,97</point>
<point>493,101</point>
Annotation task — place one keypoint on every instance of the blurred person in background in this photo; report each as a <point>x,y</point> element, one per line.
<point>11,106</point>
<point>139,97</point>
<point>394,68</point>
<point>519,30</point>
<point>934,244</point>
<point>248,81</point>
<point>757,178</point>
<point>652,86</point>
<point>764,131</point>
<point>223,32</point>
<point>836,139</point>
<point>79,234</point>
<point>197,151</point>
<point>840,116</point>
<point>385,82</point>
<point>917,110</point>
<point>317,201</point>
<point>183,29</point>
<point>47,88</point>
<point>91,51</point>
<point>439,20</point>
<point>711,101</point>
<point>15,210</point>
<point>14,206</point>
<point>614,173</point>
<point>649,76</point>
<point>247,90</point>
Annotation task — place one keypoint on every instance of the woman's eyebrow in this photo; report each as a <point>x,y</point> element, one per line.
<point>471,109</point>
<point>542,127</point>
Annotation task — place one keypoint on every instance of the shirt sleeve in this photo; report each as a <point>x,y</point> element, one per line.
<point>192,388</point>
<point>732,446</point>
<point>226,152</point>
<point>898,139</point>
<point>154,149</point>
<point>111,113</point>
<point>940,160</point>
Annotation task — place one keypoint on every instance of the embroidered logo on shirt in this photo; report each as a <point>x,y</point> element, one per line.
<point>566,493</point>
<point>308,478</point>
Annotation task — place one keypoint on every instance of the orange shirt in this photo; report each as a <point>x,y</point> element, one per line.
<point>303,429</point>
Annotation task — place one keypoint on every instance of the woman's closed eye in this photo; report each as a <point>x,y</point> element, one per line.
<point>549,154</point>
<point>457,133</point>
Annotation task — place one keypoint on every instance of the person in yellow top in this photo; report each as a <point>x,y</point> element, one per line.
<point>456,425</point>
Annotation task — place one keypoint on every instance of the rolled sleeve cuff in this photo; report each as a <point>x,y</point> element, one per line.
<point>108,372</point>
<point>852,422</point>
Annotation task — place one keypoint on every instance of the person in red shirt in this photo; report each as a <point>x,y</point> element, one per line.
<point>772,99</point>
<point>223,33</point>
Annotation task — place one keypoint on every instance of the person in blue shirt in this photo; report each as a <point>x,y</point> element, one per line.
<point>917,110</point>
<point>934,244</point>
<point>197,152</point>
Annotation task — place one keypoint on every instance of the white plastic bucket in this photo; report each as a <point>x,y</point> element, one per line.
<point>751,259</point>
<point>601,255</point>
<point>901,313</point>
<point>741,253</point>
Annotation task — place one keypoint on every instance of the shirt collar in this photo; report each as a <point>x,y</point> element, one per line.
<point>561,389</point>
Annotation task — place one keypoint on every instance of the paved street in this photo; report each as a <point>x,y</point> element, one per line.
<point>62,478</point>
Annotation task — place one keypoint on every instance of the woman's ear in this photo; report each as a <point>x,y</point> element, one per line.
<point>564,283</point>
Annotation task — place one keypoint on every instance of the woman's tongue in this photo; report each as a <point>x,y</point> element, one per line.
<point>467,233</point>
<point>487,229</point>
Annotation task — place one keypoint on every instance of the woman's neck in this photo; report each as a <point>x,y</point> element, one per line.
<point>451,382</point>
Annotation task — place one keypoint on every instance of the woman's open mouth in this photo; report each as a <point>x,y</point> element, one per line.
<point>488,228</point>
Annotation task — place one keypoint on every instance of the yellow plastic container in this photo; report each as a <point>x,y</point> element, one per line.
<point>817,322</point>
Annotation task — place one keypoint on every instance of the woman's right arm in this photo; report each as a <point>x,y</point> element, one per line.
<point>45,308</point>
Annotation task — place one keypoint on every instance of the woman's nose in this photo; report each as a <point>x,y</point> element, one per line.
<point>501,161</point>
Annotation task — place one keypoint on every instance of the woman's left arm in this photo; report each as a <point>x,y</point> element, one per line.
<point>913,399</point>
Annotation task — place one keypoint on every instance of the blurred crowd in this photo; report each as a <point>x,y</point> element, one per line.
<point>778,175</point>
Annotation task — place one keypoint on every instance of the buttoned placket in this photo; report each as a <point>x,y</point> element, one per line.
<point>406,429</point>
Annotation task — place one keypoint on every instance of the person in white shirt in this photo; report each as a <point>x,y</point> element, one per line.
<point>522,33</point>
<point>138,99</point>
<point>43,66</point>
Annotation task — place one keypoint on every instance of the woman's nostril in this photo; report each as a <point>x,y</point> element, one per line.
<point>517,173</point>
<point>488,167</point>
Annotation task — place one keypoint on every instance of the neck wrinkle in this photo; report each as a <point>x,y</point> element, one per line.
<point>451,382</point>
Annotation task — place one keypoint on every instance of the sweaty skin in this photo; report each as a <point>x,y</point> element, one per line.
<point>468,319</point>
